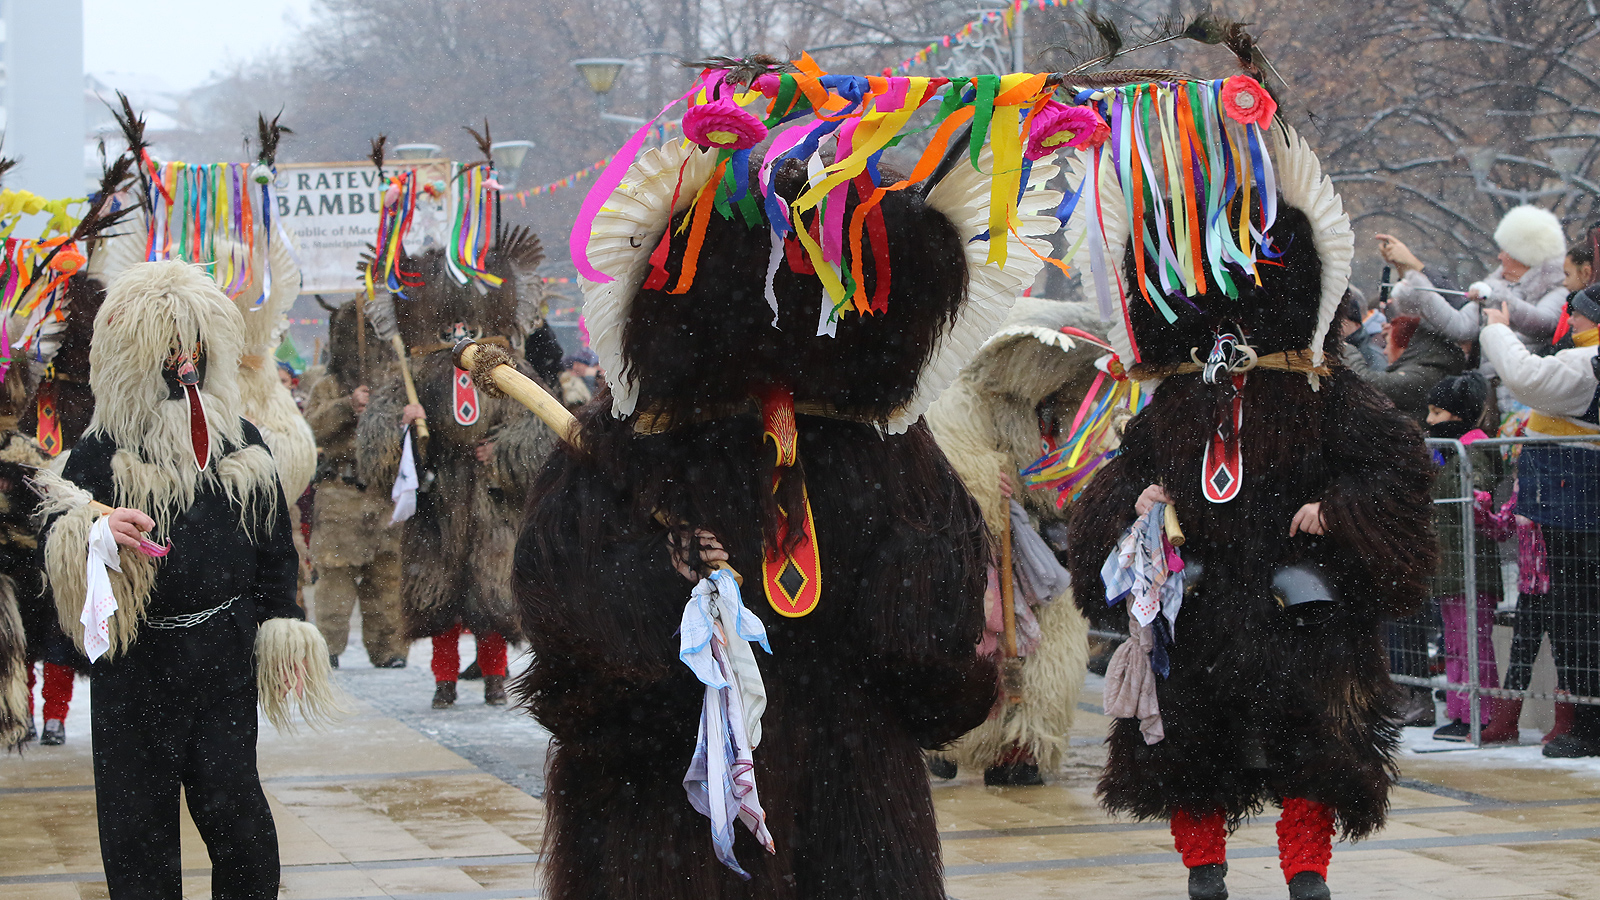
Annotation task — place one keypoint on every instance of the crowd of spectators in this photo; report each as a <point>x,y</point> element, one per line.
<point>1512,356</point>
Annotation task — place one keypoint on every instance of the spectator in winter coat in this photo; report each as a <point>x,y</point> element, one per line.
<point>1559,488</point>
<point>1527,284</point>
<point>1351,314</point>
<point>1454,407</point>
<point>1418,358</point>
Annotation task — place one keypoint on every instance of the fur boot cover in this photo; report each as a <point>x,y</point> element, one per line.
<point>1262,701</point>
<point>13,668</point>
<point>1530,235</point>
<point>988,424</point>
<point>293,674</point>
<point>455,552</point>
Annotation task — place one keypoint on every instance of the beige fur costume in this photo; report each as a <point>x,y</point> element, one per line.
<point>350,534</point>
<point>986,423</point>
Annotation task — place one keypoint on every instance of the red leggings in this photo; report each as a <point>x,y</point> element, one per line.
<point>57,690</point>
<point>447,654</point>
<point>1305,838</point>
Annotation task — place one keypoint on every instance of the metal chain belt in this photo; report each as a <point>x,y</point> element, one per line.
<point>187,620</point>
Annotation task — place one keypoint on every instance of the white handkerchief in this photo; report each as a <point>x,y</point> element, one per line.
<point>100,603</point>
<point>404,493</point>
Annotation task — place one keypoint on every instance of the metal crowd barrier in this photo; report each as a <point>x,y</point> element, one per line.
<point>1425,648</point>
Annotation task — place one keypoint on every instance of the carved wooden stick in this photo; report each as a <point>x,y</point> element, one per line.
<point>411,386</point>
<point>493,374</point>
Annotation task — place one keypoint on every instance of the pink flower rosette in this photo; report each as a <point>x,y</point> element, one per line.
<point>722,125</point>
<point>1059,125</point>
<point>1247,102</point>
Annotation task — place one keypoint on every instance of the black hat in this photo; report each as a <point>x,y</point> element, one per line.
<point>1586,302</point>
<point>1461,395</point>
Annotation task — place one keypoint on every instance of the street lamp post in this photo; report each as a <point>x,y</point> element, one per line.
<point>601,73</point>
<point>508,156</point>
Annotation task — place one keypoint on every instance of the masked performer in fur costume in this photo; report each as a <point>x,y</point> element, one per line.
<point>1008,408</point>
<point>801,458</point>
<point>19,568</point>
<point>355,550</point>
<point>474,468</point>
<point>183,640</point>
<point>264,297</point>
<point>1256,674</point>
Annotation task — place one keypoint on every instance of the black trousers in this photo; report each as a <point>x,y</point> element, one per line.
<point>1534,620</point>
<point>153,733</point>
<point>1575,619</point>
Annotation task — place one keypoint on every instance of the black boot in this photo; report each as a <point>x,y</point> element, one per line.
<point>1308,886</point>
<point>494,690</point>
<point>472,672</point>
<point>444,694</point>
<point>1017,774</point>
<point>1206,882</point>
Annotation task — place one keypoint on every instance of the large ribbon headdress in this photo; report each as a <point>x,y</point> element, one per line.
<point>1192,173</point>
<point>981,170</point>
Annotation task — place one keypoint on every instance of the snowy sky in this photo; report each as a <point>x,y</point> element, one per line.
<point>182,42</point>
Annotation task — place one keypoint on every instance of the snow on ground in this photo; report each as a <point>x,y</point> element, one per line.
<point>501,740</point>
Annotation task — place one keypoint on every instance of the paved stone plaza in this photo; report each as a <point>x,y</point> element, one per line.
<point>403,801</point>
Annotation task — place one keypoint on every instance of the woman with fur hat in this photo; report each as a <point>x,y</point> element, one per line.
<point>187,604</point>
<point>1528,284</point>
<point>1018,393</point>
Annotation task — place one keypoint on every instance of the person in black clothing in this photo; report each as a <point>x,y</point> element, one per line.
<point>178,658</point>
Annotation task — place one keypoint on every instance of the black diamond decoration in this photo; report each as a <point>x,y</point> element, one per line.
<point>790,579</point>
<point>1221,480</point>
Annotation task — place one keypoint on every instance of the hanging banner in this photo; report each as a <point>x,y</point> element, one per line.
<point>331,209</point>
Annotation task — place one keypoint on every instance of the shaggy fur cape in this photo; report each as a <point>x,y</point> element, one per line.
<point>987,423</point>
<point>263,398</point>
<point>19,577</point>
<point>455,552</point>
<point>886,664</point>
<point>1256,707</point>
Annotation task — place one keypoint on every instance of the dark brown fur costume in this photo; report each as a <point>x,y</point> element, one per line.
<point>69,370</point>
<point>455,553</point>
<point>886,664</point>
<point>1257,708</point>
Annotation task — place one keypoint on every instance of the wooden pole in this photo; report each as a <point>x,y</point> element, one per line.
<point>361,336</point>
<point>411,386</point>
<point>1011,671</point>
<point>526,391</point>
<point>1008,609</point>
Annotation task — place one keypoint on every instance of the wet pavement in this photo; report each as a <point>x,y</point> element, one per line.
<point>401,800</point>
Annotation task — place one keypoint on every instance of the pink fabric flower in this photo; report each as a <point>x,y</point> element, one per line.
<point>1247,102</point>
<point>723,125</point>
<point>1059,125</point>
